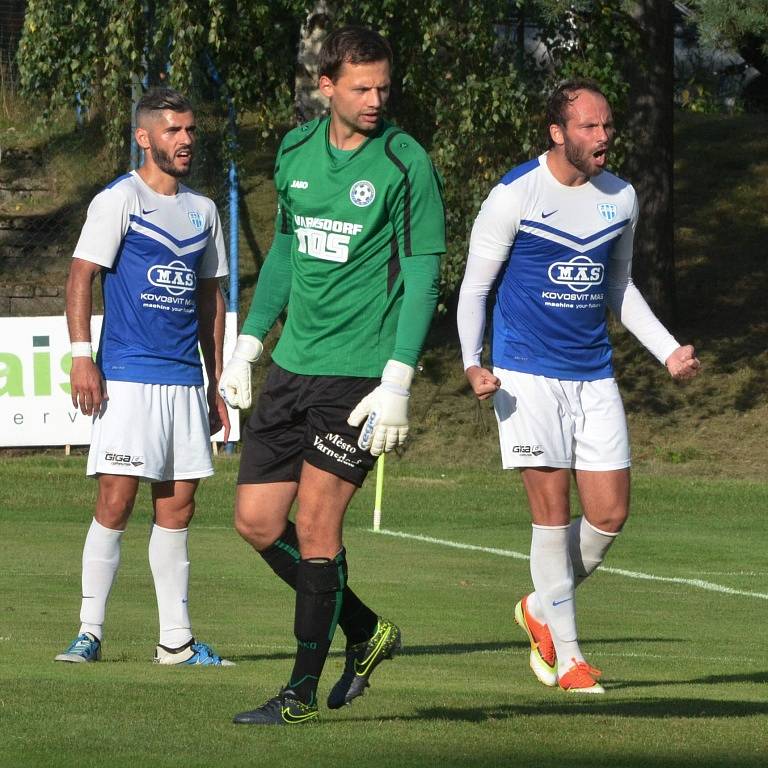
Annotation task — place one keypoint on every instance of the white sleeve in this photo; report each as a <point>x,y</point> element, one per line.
<point>497,223</point>
<point>492,236</point>
<point>628,304</point>
<point>479,277</point>
<point>214,262</point>
<point>105,227</point>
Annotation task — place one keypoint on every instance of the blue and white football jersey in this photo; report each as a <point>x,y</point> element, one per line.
<point>561,245</point>
<point>153,248</point>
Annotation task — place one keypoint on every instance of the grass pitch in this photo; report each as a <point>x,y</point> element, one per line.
<point>682,648</point>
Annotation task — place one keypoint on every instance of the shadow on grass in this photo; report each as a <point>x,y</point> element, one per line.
<point>456,649</point>
<point>449,649</point>
<point>601,707</point>
<point>753,677</point>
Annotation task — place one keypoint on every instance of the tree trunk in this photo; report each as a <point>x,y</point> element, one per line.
<point>650,168</point>
<point>310,103</point>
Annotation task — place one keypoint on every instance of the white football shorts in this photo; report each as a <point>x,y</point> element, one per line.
<point>559,423</point>
<point>155,432</point>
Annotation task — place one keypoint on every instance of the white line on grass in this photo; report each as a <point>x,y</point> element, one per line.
<point>698,583</point>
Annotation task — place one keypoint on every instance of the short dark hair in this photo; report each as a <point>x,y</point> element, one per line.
<point>562,98</point>
<point>351,45</point>
<point>159,99</point>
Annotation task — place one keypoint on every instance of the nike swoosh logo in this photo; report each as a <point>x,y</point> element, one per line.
<point>289,717</point>
<point>146,213</point>
<point>555,603</point>
<point>361,667</point>
<point>547,215</point>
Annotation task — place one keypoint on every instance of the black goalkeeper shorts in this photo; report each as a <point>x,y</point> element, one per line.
<point>304,418</point>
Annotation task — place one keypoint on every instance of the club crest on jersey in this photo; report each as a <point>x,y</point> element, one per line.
<point>579,274</point>
<point>197,220</point>
<point>175,277</point>
<point>607,211</point>
<point>362,193</point>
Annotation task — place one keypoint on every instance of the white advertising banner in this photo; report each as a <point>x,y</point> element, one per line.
<point>35,403</point>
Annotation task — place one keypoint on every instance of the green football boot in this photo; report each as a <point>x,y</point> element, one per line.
<point>361,660</point>
<point>283,709</point>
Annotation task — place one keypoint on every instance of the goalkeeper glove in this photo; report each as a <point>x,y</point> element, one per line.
<point>387,410</point>
<point>235,379</point>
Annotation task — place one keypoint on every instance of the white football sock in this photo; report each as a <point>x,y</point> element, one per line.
<point>587,546</point>
<point>101,558</point>
<point>169,561</point>
<point>552,576</point>
<point>534,608</point>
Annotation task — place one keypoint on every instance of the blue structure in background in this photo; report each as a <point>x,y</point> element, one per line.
<point>234,201</point>
<point>137,89</point>
<point>78,110</point>
<point>234,192</point>
<point>234,246</point>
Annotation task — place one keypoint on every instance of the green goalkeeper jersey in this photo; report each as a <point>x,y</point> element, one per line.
<point>352,219</point>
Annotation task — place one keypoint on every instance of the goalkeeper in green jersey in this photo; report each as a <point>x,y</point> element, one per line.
<point>355,259</point>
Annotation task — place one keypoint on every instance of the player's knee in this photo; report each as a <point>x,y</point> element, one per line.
<point>175,518</point>
<point>247,529</point>
<point>113,509</point>
<point>610,520</point>
<point>260,531</point>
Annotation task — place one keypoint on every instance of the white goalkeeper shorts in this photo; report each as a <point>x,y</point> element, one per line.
<point>560,423</point>
<point>155,432</point>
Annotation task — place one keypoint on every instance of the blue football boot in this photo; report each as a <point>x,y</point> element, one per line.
<point>84,648</point>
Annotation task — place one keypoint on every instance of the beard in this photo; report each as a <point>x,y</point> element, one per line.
<point>581,159</point>
<point>165,162</point>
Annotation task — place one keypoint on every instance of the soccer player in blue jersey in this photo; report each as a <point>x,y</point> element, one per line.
<point>159,251</point>
<point>555,239</point>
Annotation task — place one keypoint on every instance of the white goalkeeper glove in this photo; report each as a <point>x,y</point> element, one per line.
<point>235,379</point>
<point>387,410</point>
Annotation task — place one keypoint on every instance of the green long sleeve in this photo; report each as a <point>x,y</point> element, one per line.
<point>273,288</point>
<point>421,276</point>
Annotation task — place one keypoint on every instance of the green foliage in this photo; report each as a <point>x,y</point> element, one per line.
<point>94,52</point>
<point>457,91</point>
<point>84,53</point>
<point>464,85</point>
<point>591,39</point>
<point>700,97</point>
<point>731,21</point>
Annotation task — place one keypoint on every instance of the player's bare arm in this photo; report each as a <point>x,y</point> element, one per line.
<point>683,364</point>
<point>211,313</point>
<point>483,382</point>
<point>88,389</point>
